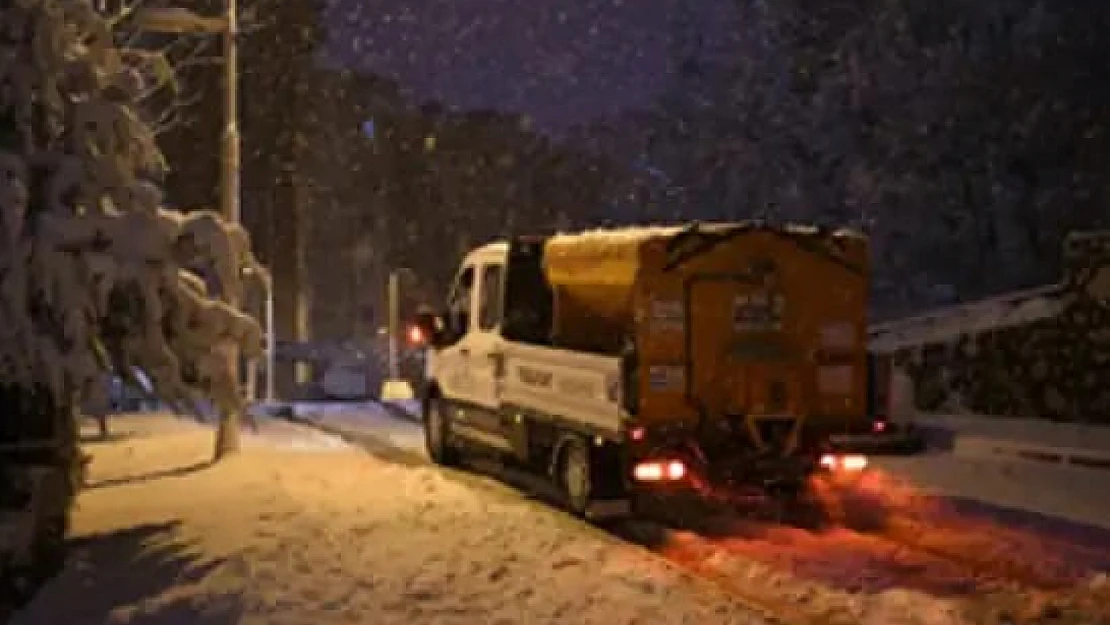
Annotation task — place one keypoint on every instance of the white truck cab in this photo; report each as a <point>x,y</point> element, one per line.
<point>505,390</point>
<point>467,365</point>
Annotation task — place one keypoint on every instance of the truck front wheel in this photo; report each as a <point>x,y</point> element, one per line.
<point>577,476</point>
<point>437,434</point>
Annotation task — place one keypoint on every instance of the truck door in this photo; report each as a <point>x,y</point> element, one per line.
<point>471,367</point>
<point>485,343</point>
<point>481,350</point>
<point>451,365</point>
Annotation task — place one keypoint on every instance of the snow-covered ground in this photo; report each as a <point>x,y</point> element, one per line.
<point>976,517</point>
<point>304,528</point>
<point>301,529</point>
<point>1055,492</point>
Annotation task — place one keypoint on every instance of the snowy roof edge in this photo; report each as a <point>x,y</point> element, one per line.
<point>945,324</point>
<point>1012,297</point>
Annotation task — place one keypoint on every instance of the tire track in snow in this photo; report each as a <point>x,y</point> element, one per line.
<point>1029,556</point>
<point>985,566</point>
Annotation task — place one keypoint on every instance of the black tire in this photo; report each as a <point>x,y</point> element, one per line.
<point>576,476</point>
<point>437,434</point>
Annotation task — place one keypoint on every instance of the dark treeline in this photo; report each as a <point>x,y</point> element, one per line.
<point>966,137</point>
<point>345,176</point>
<point>396,184</point>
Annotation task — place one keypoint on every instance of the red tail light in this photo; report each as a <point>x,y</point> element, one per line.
<point>637,433</point>
<point>659,471</point>
<point>878,427</point>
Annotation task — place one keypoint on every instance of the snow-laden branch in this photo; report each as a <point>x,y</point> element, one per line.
<point>94,272</point>
<point>154,82</point>
<point>173,115</point>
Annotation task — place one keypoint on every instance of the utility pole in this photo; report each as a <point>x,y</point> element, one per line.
<point>228,430</point>
<point>394,387</point>
<point>394,326</point>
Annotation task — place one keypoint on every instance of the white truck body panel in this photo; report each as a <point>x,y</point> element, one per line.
<point>574,386</point>
<point>498,377</point>
<point>578,387</point>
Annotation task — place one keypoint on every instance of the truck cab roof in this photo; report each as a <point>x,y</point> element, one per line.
<point>494,252</point>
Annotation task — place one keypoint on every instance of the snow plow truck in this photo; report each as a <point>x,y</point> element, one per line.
<point>643,363</point>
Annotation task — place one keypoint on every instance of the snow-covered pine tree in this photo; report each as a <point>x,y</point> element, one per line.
<point>94,273</point>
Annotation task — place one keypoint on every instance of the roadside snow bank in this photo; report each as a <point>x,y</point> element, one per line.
<point>1021,430</point>
<point>367,419</point>
<point>1041,490</point>
<point>280,537</point>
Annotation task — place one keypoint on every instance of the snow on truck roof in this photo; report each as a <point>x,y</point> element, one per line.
<point>633,234</point>
<point>637,234</point>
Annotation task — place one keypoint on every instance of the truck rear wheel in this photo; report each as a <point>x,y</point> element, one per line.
<point>437,434</point>
<point>576,476</point>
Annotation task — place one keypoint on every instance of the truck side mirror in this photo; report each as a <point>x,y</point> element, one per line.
<point>432,327</point>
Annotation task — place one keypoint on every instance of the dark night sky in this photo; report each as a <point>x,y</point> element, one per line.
<point>561,61</point>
